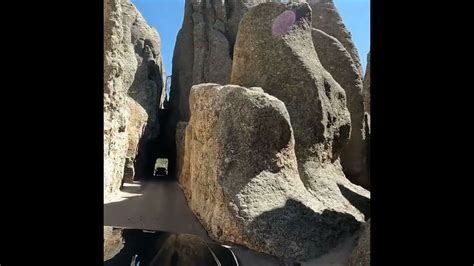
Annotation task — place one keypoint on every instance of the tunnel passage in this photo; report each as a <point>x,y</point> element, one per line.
<point>148,90</point>
<point>155,150</point>
<point>146,157</point>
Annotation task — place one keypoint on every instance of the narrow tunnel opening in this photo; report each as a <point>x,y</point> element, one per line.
<point>154,159</point>
<point>157,141</point>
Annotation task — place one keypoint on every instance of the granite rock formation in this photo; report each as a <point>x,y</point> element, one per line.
<point>240,176</point>
<point>115,104</point>
<point>205,44</point>
<point>147,82</point>
<point>204,47</point>
<point>339,63</point>
<point>264,163</point>
<point>132,68</point>
<point>275,51</point>
<point>203,53</point>
<point>325,17</point>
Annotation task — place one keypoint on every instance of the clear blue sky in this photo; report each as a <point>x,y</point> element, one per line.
<point>167,16</point>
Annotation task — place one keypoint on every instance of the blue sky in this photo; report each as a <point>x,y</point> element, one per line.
<point>167,16</point>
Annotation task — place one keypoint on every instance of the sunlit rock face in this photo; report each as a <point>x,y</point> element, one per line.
<point>259,162</point>
<point>146,79</point>
<point>205,50</point>
<point>132,68</point>
<point>326,18</point>
<point>339,63</point>
<point>240,176</point>
<point>287,67</point>
<point>203,53</point>
<point>204,47</point>
<point>339,56</point>
<point>115,104</point>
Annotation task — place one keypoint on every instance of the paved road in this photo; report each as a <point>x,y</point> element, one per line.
<point>153,205</point>
<point>161,206</point>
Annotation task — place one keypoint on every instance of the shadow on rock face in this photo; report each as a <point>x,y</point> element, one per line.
<point>358,201</point>
<point>298,230</point>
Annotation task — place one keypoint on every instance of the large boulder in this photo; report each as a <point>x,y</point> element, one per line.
<point>132,68</point>
<point>339,63</point>
<point>203,53</point>
<point>275,51</point>
<point>240,176</point>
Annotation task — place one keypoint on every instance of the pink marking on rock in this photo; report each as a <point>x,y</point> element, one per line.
<point>282,24</point>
